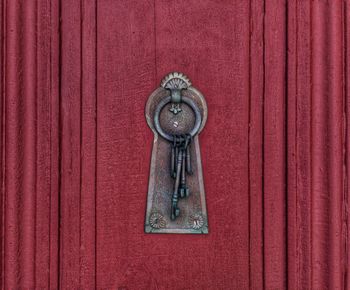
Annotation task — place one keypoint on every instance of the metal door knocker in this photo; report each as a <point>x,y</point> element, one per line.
<point>176,112</point>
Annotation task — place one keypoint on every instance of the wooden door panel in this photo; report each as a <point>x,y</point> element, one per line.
<point>131,63</point>
<point>75,146</point>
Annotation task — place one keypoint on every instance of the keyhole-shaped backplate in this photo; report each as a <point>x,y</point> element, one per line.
<point>176,117</point>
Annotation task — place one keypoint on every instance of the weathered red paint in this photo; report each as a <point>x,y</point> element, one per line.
<point>75,146</point>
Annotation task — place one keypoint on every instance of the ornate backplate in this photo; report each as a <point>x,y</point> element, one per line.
<point>175,118</point>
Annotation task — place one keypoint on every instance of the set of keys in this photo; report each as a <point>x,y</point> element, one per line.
<point>180,164</point>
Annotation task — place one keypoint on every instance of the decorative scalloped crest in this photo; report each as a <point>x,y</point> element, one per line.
<point>176,80</point>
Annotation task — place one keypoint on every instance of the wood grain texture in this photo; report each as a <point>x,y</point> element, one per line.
<point>317,217</point>
<point>2,137</point>
<point>346,194</point>
<point>29,167</point>
<point>88,147</point>
<point>78,144</point>
<point>256,130</point>
<point>75,146</point>
<point>70,147</point>
<point>326,148</point>
<point>125,73</point>
<point>275,145</point>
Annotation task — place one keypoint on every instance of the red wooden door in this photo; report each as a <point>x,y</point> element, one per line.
<point>75,146</point>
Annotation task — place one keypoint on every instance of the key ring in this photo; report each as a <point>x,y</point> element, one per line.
<point>185,100</point>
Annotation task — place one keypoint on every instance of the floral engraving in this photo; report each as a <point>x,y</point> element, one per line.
<point>196,221</point>
<point>157,221</point>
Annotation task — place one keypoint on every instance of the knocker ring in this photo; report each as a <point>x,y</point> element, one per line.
<point>185,100</point>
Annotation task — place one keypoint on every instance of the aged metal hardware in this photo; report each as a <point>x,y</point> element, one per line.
<point>176,112</point>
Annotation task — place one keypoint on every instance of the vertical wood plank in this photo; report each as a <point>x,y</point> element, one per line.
<point>20,147</point>
<point>326,148</point>
<point>88,146</point>
<point>346,196</point>
<point>317,199</point>
<point>46,218</point>
<point>275,145</point>
<point>126,68</point>
<point>319,187</point>
<point>345,210</point>
<point>27,154</point>
<point>78,144</point>
<point>256,127</point>
<point>292,197</point>
<point>54,67</point>
<point>70,126</point>
<point>299,145</point>
<point>2,137</point>
<point>303,145</point>
<point>336,143</point>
